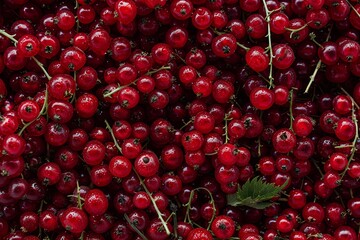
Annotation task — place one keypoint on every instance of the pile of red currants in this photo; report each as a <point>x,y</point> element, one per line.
<point>179,119</point>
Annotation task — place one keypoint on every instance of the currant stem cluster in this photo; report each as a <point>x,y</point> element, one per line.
<point>141,183</point>
<point>134,227</point>
<point>318,65</point>
<point>123,86</point>
<point>226,134</point>
<point>291,99</point>
<point>237,43</point>
<point>188,206</point>
<point>43,110</point>
<point>271,54</point>
<point>356,138</point>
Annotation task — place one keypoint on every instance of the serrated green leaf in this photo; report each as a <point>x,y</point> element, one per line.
<point>232,199</point>
<point>255,193</point>
<point>260,205</point>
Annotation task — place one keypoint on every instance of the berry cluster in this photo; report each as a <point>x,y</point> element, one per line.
<point>179,119</point>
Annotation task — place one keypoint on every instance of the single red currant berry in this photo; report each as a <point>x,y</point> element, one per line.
<point>120,166</point>
<point>64,19</point>
<point>95,202</point>
<point>128,97</point>
<point>99,40</point>
<point>49,173</point>
<point>224,45</point>
<point>302,125</point>
<point>279,21</point>
<point>73,58</point>
<point>199,234</point>
<point>141,200</point>
<point>181,9</point>
<point>29,221</point>
<point>313,212</point>
<point>28,45</point>
<point>126,11</point>
<point>14,59</point>
<point>342,104</point>
<point>93,153</point>
<point>222,91</point>
<point>61,87</point>
<point>74,220</point>
<point>86,105</point>
<point>192,141</point>
<point>161,53</point>
<point>283,56</point>
<point>283,140</point>
<point>257,59</point>
<point>284,224</point>
<point>338,161</point>
<point>28,110</point>
<point>345,233</point>
<point>223,227</point>
<point>13,145</point>
<point>349,50</point>
<point>262,98</point>
<point>345,129</point>
<point>297,199</point>
<point>147,164</point>
<point>202,18</point>
<point>228,154</point>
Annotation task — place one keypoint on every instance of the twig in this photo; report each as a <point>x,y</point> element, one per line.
<point>267,18</point>
<point>108,94</point>
<point>318,65</point>
<point>134,227</point>
<point>353,149</point>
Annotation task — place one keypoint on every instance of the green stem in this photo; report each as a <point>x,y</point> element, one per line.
<point>79,203</point>
<point>318,168</point>
<point>179,57</point>
<point>157,70</point>
<point>42,68</point>
<point>134,227</point>
<point>153,203</point>
<point>226,134</point>
<point>188,206</point>
<point>353,101</point>
<point>312,77</point>
<point>312,37</point>
<point>354,9</point>
<point>267,18</point>
<point>141,183</point>
<point>11,37</point>
<point>353,116</point>
<point>113,136</point>
<point>121,87</point>
<point>296,30</point>
<point>42,111</point>
<point>291,108</point>
<point>242,46</point>
<point>186,124</point>
<point>175,227</point>
<point>259,146</point>
<point>237,43</point>
<point>318,65</point>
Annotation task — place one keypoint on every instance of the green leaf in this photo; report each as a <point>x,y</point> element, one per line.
<point>255,193</point>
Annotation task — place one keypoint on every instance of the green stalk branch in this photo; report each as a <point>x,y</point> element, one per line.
<point>267,18</point>
<point>121,87</point>
<point>353,116</point>
<point>141,182</point>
